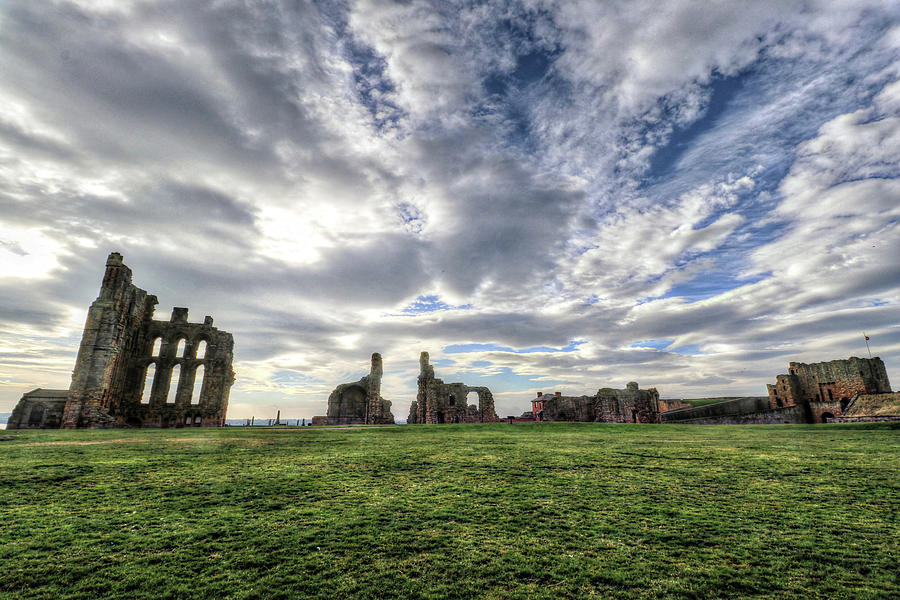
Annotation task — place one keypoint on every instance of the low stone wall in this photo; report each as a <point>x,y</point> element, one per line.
<point>878,419</point>
<point>730,408</point>
<point>781,416</point>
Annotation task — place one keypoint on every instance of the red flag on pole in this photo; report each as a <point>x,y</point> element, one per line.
<point>867,338</point>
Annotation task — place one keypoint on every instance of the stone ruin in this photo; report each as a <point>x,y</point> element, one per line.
<point>846,390</point>
<point>134,371</point>
<point>824,390</point>
<point>360,402</point>
<point>608,405</point>
<point>439,402</point>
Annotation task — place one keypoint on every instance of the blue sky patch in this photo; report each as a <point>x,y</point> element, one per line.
<point>660,344</point>
<point>426,304</point>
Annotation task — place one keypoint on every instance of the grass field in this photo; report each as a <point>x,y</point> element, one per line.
<point>531,511</point>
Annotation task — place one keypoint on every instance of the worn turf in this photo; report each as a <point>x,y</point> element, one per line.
<point>459,511</point>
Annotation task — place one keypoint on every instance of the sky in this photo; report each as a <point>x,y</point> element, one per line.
<point>546,196</point>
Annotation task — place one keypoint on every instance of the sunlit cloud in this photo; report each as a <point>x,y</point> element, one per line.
<point>541,194</point>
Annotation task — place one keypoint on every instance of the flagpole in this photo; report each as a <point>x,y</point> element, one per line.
<point>867,344</point>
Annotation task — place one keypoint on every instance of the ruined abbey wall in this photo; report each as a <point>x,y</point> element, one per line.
<point>439,402</point>
<point>127,363</point>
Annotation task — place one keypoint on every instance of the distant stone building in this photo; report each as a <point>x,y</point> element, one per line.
<point>360,402</point>
<point>134,371</point>
<point>608,405</point>
<point>823,390</point>
<point>439,402</point>
<point>39,409</point>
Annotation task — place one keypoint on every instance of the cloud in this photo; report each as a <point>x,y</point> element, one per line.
<point>722,176</point>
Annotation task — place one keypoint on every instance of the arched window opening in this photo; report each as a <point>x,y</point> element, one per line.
<point>472,404</point>
<point>826,416</point>
<point>187,419</point>
<point>36,418</point>
<point>830,395</point>
<point>779,403</point>
<point>148,383</point>
<point>201,349</point>
<point>157,346</point>
<point>199,374</point>
<point>173,384</point>
<point>179,350</point>
<point>197,420</point>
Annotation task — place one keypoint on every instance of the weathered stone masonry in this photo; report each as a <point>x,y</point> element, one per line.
<point>128,362</point>
<point>823,390</point>
<point>360,402</point>
<point>439,402</point>
<point>808,393</point>
<point>608,405</point>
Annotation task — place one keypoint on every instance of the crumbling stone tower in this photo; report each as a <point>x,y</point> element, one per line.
<point>360,402</point>
<point>439,402</point>
<point>123,351</point>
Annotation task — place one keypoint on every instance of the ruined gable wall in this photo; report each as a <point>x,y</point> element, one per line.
<point>608,405</point>
<point>631,405</point>
<point>571,408</point>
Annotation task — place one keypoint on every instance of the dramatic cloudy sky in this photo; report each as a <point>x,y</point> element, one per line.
<point>545,195</point>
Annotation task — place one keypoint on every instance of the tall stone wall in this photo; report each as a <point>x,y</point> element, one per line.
<point>438,402</point>
<point>178,352</point>
<point>112,332</point>
<point>110,383</point>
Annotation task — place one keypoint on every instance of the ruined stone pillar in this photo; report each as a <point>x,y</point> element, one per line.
<point>426,373</point>
<point>374,405</point>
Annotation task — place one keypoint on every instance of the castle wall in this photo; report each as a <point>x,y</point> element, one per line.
<point>719,410</point>
<point>781,416</point>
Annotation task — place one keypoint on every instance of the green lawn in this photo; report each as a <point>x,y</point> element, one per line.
<point>530,510</point>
